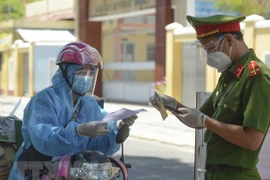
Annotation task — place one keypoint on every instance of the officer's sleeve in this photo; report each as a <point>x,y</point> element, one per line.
<point>256,103</point>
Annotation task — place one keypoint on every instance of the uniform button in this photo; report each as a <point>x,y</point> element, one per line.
<point>225,85</point>
<point>225,105</point>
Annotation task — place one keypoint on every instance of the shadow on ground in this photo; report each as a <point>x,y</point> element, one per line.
<point>152,168</point>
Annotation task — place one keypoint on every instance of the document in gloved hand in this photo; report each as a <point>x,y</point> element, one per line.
<point>172,109</point>
<point>161,107</point>
<point>121,114</point>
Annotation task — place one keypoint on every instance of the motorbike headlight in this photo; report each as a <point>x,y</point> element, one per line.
<point>95,171</point>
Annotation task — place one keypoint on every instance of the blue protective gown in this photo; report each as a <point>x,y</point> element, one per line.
<point>45,116</point>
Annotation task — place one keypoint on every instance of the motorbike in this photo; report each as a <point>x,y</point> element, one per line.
<point>87,165</point>
<point>90,165</point>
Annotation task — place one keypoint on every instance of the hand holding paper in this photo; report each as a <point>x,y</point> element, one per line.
<point>121,114</point>
<point>162,101</point>
<point>159,106</point>
<point>128,121</point>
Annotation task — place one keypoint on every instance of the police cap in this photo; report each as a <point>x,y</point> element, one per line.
<point>206,26</point>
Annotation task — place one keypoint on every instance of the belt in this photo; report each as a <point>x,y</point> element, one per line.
<point>222,167</point>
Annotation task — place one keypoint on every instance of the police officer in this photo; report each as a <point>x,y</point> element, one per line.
<point>237,114</point>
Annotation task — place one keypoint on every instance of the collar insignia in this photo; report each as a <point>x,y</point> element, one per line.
<point>238,71</point>
<point>253,68</point>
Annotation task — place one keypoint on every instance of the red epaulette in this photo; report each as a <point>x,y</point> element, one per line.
<point>253,68</point>
<point>238,71</point>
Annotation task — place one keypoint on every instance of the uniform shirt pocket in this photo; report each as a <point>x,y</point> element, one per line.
<point>228,111</point>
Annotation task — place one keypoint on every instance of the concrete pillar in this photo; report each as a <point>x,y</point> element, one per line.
<point>4,73</point>
<point>249,31</point>
<point>249,34</point>
<point>31,70</point>
<point>212,76</point>
<point>173,63</point>
<point>20,77</point>
<point>16,70</point>
<point>164,16</point>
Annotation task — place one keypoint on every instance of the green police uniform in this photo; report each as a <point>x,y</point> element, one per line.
<point>242,98</point>
<point>238,99</point>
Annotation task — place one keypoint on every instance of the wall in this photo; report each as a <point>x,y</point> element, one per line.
<point>42,56</point>
<point>50,9</point>
<point>99,9</point>
<point>128,74</point>
<point>262,41</point>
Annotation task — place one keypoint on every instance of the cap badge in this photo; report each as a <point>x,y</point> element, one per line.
<point>207,33</point>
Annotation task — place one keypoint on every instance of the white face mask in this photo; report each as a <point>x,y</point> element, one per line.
<point>217,59</point>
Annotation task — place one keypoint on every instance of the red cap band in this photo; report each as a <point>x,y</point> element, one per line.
<point>206,30</point>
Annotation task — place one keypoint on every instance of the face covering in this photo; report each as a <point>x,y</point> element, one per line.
<point>82,84</point>
<point>219,60</point>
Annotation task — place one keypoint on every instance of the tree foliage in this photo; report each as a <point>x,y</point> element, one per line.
<point>244,7</point>
<point>12,9</point>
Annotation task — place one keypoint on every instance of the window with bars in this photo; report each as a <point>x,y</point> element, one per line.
<point>150,52</point>
<point>128,52</point>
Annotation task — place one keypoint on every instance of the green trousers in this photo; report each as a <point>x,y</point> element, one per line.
<point>246,174</point>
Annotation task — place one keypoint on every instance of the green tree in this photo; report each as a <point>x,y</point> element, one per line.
<point>12,9</point>
<point>244,7</point>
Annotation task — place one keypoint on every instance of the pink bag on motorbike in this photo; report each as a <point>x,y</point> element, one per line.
<point>62,171</point>
<point>63,167</point>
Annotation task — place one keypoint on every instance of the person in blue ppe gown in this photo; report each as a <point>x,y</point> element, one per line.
<point>61,119</point>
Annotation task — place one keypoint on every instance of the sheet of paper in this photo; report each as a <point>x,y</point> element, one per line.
<point>121,114</point>
<point>162,109</point>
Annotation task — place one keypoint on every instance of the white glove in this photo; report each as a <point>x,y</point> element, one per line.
<point>92,129</point>
<point>167,101</point>
<point>128,121</point>
<point>192,117</point>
